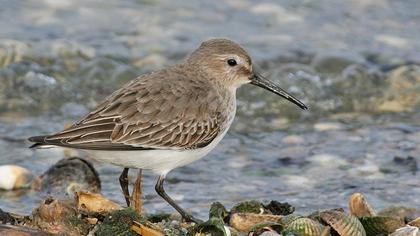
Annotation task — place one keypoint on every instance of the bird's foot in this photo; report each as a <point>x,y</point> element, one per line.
<point>190,218</point>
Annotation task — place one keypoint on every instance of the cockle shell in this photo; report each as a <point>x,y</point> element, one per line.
<point>344,224</point>
<point>304,227</point>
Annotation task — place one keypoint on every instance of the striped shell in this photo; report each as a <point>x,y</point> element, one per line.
<point>381,225</point>
<point>344,224</point>
<point>407,231</point>
<point>304,227</point>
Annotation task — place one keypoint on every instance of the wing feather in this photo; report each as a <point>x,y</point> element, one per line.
<point>156,111</point>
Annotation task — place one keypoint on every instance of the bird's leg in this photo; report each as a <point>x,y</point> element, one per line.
<point>124,185</point>
<point>159,189</point>
<point>137,192</point>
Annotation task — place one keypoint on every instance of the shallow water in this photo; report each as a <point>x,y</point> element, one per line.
<point>58,58</point>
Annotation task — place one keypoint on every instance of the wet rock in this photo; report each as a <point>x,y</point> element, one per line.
<point>102,75</point>
<point>402,212</point>
<point>10,230</point>
<point>25,86</point>
<point>68,176</point>
<point>279,208</point>
<point>403,89</point>
<point>359,206</point>
<point>357,89</point>
<point>6,218</point>
<point>244,222</point>
<point>406,145</point>
<point>11,51</point>
<point>95,203</point>
<point>119,223</point>
<point>334,62</point>
<point>400,165</point>
<point>14,177</point>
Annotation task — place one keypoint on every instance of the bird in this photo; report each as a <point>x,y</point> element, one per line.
<point>167,118</point>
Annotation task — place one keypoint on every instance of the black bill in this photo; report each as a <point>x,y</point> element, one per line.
<point>264,83</point>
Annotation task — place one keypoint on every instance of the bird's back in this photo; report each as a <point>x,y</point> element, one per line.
<point>169,109</point>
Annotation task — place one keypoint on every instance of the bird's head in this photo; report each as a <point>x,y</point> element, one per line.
<point>225,61</point>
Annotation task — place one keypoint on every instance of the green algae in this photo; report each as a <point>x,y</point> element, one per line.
<point>119,223</point>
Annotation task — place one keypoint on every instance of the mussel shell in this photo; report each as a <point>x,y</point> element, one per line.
<point>359,206</point>
<point>377,225</point>
<point>344,224</point>
<point>304,227</point>
<point>415,222</point>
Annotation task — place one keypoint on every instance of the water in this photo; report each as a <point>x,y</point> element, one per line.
<point>358,73</point>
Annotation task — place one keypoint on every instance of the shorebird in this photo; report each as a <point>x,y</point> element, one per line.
<point>168,118</point>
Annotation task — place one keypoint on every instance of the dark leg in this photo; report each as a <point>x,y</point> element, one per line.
<point>162,193</point>
<point>124,185</point>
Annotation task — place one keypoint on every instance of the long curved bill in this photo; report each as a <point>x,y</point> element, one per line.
<point>264,83</point>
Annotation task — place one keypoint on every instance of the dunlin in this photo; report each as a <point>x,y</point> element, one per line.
<point>168,118</point>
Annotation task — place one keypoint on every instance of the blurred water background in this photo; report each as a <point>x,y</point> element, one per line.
<point>355,63</point>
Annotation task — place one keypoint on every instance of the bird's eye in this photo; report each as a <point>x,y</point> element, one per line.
<point>232,62</point>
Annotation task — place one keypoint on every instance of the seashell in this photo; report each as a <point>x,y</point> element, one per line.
<point>344,224</point>
<point>415,222</point>
<point>406,231</point>
<point>381,225</point>
<point>260,228</point>
<point>326,231</point>
<point>289,218</point>
<point>245,221</point>
<point>359,207</point>
<point>304,227</point>
<point>145,230</point>
<point>95,203</point>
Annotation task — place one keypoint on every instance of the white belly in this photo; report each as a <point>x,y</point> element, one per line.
<point>159,161</point>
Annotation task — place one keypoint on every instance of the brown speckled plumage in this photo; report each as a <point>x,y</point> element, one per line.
<point>169,109</point>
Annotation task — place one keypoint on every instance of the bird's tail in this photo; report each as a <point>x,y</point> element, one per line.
<point>39,142</point>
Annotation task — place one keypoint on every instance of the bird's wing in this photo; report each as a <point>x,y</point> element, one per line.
<point>156,111</point>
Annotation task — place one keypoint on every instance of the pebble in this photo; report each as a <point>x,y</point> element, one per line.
<point>326,126</point>
<point>335,61</point>
<point>14,177</point>
<point>293,139</point>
